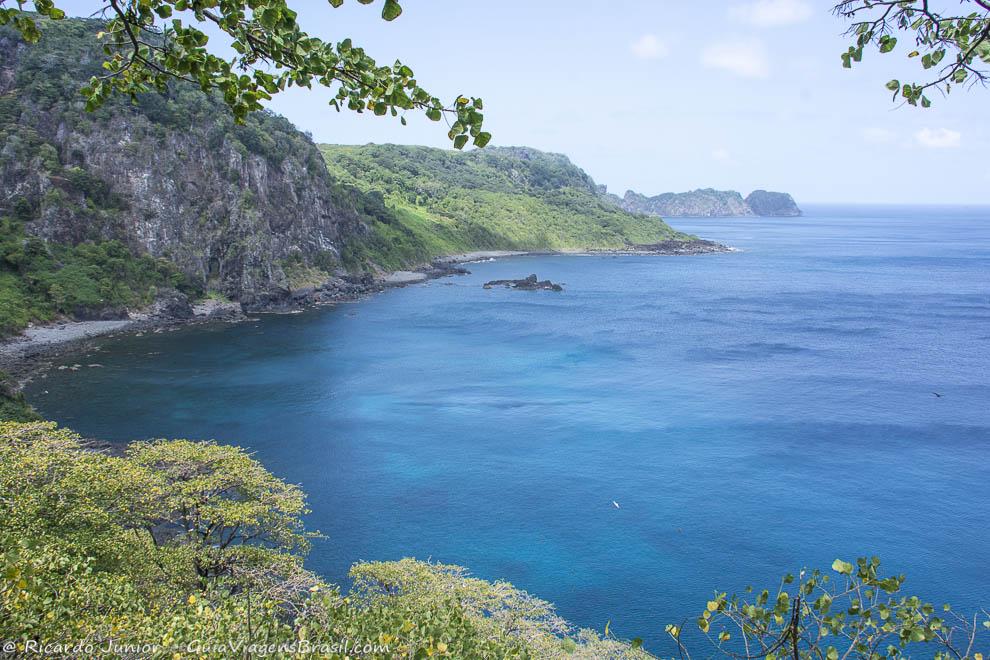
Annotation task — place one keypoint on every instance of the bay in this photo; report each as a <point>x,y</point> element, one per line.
<point>751,413</point>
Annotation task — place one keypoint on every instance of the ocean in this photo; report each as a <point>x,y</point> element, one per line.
<point>751,413</point>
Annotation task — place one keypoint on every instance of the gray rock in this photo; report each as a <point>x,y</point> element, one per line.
<point>171,305</point>
<point>531,283</point>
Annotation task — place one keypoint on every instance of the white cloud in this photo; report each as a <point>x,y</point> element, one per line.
<point>721,155</point>
<point>649,47</point>
<point>772,13</point>
<point>938,138</point>
<point>746,58</point>
<point>875,135</point>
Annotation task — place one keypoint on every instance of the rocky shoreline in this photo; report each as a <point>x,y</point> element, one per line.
<point>669,248</point>
<point>32,351</point>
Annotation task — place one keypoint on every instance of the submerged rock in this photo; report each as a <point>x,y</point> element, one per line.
<point>531,283</point>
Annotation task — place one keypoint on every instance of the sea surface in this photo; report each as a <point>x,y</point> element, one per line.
<point>750,413</point>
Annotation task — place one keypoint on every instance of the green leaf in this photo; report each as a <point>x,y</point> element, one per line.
<point>843,567</point>
<point>482,139</point>
<point>391,11</point>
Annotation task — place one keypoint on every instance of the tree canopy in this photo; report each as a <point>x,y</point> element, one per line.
<point>149,43</point>
<point>952,48</point>
<point>191,549</point>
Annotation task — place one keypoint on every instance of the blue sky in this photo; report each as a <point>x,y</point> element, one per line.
<point>657,95</point>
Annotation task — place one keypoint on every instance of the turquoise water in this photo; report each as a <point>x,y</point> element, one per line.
<point>752,413</point>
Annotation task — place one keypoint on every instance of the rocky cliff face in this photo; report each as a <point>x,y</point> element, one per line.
<point>236,208</point>
<point>772,204</point>
<point>706,202</point>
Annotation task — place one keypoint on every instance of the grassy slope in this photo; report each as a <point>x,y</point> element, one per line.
<point>444,202</point>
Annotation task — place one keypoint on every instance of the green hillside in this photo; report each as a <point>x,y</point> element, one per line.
<point>509,198</point>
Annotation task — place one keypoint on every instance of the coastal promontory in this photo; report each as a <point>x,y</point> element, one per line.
<point>772,204</point>
<point>707,203</point>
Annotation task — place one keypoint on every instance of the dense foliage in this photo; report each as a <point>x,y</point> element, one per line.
<point>954,45</point>
<point>13,406</point>
<point>151,43</point>
<point>44,92</point>
<point>854,612</point>
<point>39,280</point>
<point>191,548</point>
<point>443,202</point>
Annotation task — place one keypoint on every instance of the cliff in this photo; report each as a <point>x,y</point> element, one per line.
<point>169,175</point>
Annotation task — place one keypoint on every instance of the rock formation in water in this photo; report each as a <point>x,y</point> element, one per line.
<point>772,204</point>
<point>706,202</point>
<point>531,283</point>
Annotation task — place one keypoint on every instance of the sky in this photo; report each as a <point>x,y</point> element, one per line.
<point>658,95</point>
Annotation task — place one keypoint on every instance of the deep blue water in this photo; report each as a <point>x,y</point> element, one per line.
<point>752,413</point>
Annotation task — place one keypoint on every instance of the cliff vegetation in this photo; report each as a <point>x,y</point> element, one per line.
<point>509,198</point>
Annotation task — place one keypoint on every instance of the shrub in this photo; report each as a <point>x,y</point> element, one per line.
<point>179,543</point>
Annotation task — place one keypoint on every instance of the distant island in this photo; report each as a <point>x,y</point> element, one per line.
<point>707,202</point>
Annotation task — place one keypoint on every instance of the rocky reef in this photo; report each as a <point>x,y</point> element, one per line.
<point>674,248</point>
<point>531,283</point>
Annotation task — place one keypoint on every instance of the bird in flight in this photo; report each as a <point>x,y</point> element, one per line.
<point>937,394</point>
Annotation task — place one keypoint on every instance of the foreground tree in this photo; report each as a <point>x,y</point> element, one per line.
<point>853,613</point>
<point>153,42</point>
<point>952,46</point>
<point>78,567</point>
<point>235,520</point>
